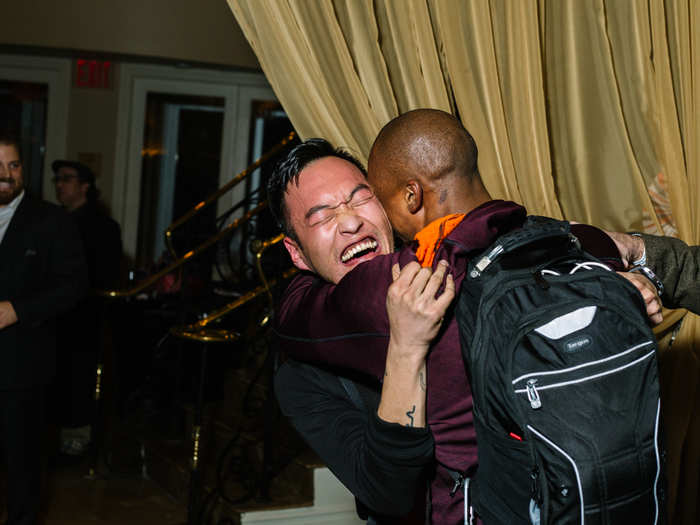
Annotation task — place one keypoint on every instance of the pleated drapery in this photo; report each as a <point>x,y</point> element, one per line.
<point>582,110</point>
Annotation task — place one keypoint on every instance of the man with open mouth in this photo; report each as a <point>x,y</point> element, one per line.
<point>338,223</point>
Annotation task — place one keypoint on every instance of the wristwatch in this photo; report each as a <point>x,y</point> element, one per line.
<point>649,274</point>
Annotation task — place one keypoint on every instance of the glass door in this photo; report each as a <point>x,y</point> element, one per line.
<point>180,167</point>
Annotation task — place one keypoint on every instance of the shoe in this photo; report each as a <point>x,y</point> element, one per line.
<point>74,441</point>
<point>74,447</point>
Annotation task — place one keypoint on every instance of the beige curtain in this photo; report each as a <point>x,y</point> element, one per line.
<point>585,110</point>
<point>675,36</point>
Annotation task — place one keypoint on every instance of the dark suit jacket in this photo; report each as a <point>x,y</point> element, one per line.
<point>678,267</point>
<point>42,273</point>
<point>79,329</point>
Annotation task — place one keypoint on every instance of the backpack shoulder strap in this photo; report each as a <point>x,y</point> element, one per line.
<point>534,230</point>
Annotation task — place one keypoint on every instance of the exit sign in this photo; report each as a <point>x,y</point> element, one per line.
<point>93,74</point>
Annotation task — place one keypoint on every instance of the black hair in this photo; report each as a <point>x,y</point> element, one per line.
<point>10,139</point>
<point>288,170</point>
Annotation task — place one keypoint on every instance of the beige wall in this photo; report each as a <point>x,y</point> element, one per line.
<point>188,30</point>
<point>191,31</point>
<point>92,128</point>
<point>200,31</point>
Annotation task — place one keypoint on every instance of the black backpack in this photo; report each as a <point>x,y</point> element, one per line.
<point>564,375</point>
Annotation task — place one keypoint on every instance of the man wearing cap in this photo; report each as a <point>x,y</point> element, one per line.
<point>79,330</point>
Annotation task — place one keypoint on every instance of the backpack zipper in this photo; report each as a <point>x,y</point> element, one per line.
<point>494,291</point>
<point>583,365</point>
<point>485,261</point>
<point>533,393</point>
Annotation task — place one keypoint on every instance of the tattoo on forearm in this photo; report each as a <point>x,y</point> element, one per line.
<point>421,379</point>
<point>410,416</point>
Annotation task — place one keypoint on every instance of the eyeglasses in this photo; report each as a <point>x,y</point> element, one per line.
<point>63,178</point>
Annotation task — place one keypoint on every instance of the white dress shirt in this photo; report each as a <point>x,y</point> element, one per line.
<point>7,212</point>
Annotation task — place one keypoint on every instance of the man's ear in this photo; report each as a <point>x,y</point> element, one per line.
<point>296,253</point>
<point>413,196</point>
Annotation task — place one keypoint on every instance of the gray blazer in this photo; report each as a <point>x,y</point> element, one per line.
<point>678,266</point>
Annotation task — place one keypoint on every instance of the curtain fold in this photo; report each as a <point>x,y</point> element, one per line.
<point>583,110</point>
<point>357,21</point>
<point>415,63</point>
<point>493,54</point>
<point>311,71</point>
<point>675,43</point>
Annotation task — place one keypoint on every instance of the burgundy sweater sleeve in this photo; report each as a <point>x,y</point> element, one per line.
<point>343,325</point>
<point>346,325</point>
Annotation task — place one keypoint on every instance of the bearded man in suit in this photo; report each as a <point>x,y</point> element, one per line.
<point>42,273</point>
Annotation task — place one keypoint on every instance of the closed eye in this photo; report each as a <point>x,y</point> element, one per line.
<point>361,196</point>
<point>322,214</point>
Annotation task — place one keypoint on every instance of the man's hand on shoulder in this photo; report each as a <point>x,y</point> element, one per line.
<point>8,316</point>
<point>631,247</point>
<point>415,313</point>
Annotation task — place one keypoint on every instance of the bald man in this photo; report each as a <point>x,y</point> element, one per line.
<point>423,168</point>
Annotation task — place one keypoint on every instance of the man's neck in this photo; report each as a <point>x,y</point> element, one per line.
<point>14,202</point>
<point>456,204</point>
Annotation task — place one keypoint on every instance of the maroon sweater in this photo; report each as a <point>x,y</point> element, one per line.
<point>346,326</point>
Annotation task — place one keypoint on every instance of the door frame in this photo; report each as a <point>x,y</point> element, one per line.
<point>135,81</point>
<point>56,73</point>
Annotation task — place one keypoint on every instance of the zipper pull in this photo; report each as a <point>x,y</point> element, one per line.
<point>532,395</point>
<point>485,261</point>
<point>458,483</point>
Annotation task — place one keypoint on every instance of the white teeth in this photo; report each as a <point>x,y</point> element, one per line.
<point>358,248</point>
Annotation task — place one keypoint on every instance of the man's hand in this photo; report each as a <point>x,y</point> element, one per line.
<point>631,247</point>
<point>415,314</point>
<point>649,294</point>
<point>8,316</point>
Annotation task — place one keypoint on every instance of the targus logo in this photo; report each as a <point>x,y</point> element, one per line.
<point>30,252</point>
<point>576,345</point>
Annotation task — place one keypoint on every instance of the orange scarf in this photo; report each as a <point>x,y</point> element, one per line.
<point>430,238</point>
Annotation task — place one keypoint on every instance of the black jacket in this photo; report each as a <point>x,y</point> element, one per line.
<point>79,328</point>
<point>382,464</point>
<point>42,273</point>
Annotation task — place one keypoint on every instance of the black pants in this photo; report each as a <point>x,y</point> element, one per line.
<point>21,433</point>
